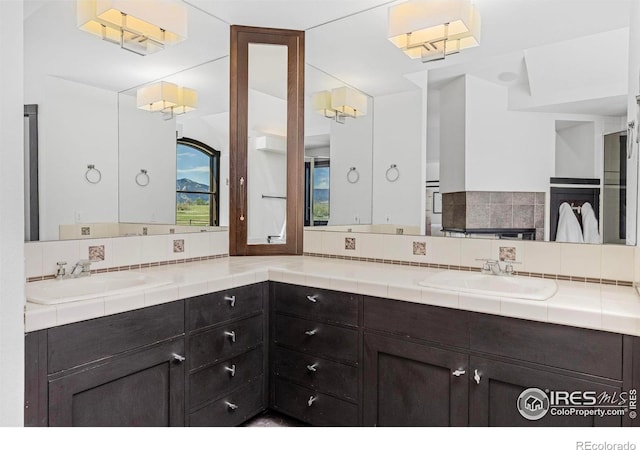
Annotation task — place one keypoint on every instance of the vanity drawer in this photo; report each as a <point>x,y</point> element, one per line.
<point>316,338</point>
<point>209,382</point>
<point>324,410</point>
<point>318,304</point>
<point>232,409</point>
<point>552,345</point>
<point>91,340</point>
<point>431,323</point>
<point>210,309</point>
<point>218,344</point>
<point>317,373</point>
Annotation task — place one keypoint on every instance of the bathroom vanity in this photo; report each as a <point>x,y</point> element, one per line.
<point>325,356</point>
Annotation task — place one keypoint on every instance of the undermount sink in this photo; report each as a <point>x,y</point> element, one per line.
<point>499,286</point>
<point>53,292</point>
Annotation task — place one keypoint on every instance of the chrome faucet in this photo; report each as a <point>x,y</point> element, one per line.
<point>492,267</point>
<point>81,269</point>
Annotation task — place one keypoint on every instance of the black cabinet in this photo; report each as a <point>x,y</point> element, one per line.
<point>414,385</point>
<point>142,389</point>
<point>316,346</point>
<point>495,387</point>
<point>227,359</point>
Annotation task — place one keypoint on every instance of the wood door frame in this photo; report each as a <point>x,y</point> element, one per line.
<point>241,37</point>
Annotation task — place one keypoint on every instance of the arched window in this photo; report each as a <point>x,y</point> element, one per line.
<point>197,183</point>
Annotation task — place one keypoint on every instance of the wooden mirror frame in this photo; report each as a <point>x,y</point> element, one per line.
<point>241,37</point>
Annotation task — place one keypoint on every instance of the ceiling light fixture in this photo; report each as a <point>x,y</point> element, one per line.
<point>139,26</point>
<point>168,98</point>
<point>431,30</point>
<point>340,103</point>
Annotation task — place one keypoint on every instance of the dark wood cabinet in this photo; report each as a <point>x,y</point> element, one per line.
<point>494,392</point>
<point>316,347</point>
<point>332,359</point>
<point>413,385</point>
<point>226,332</point>
<point>142,389</point>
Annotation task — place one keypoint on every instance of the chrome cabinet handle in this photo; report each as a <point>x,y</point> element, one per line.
<point>310,332</point>
<point>311,400</point>
<point>231,299</point>
<point>231,406</point>
<point>476,376</point>
<point>231,370</point>
<point>231,334</point>
<point>178,358</point>
<point>312,298</point>
<point>458,372</point>
<point>312,367</point>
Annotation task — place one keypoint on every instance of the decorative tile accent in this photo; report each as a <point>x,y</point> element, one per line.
<point>145,231</point>
<point>96,253</point>
<point>349,243</point>
<point>172,231</point>
<point>85,231</point>
<point>399,230</point>
<point>507,253</point>
<point>178,246</point>
<point>419,248</point>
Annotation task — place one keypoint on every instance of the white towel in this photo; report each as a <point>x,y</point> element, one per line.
<point>568,227</point>
<point>589,225</point>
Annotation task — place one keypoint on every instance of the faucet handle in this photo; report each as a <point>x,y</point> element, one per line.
<point>61,271</point>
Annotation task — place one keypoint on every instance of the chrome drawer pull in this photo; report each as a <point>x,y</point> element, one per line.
<point>457,373</point>
<point>231,334</point>
<point>311,400</point>
<point>231,370</point>
<point>476,376</point>
<point>310,332</point>
<point>231,299</point>
<point>231,406</point>
<point>178,358</point>
<point>312,298</point>
<point>312,367</point>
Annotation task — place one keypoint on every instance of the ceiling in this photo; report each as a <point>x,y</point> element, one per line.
<point>344,38</point>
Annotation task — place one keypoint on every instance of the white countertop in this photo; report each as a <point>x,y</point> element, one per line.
<point>586,305</point>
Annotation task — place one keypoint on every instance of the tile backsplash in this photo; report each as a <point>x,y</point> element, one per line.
<point>123,252</point>
<point>609,264</point>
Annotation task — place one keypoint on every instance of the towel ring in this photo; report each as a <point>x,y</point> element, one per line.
<point>353,175</point>
<point>142,179</point>
<point>392,173</point>
<point>93,175</point>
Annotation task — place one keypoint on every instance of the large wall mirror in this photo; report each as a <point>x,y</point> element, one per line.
<point>486,139</point>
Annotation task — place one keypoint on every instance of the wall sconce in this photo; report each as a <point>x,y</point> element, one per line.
<point>139,26</point>
<point>431,30</point>
<point>168,98</point>
<point>340,103</point>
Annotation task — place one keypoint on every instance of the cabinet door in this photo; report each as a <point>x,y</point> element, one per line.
<point>409,384</point>
<point>144,388</point>
<point>493,395</point>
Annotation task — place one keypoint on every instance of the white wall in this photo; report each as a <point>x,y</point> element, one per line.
<point>576,151</point>
<point>397,139</point>
<point>505,150</point>
<point>78,126</point>
<point>352,146</point>
<point>12,269</point>
<point>147,141</point>
<point>452,136</point>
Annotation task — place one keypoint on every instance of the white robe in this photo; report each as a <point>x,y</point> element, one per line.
<point>589,225</point>
<point>568,226</point>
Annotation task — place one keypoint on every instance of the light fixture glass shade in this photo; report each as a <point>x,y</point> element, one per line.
<point>349,102</point>
<point>432,29</point>
<point>158,96</point>
<point>142,26</point>
<point>187,101</point>
<point>321,102</point>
